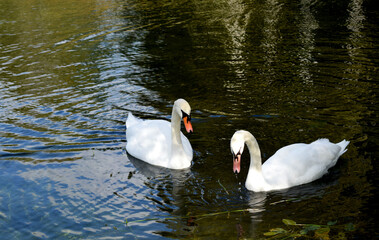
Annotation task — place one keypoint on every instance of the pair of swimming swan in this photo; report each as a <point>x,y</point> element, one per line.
<point>161,143</point>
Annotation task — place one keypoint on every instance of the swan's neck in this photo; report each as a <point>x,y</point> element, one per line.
<point>255,153</point>
<point>175,130</point>
<point>255,180</point>
<point>179,158</point>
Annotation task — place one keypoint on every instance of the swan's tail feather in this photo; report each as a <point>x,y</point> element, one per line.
<point>343,144</point>
<point>131,120</point>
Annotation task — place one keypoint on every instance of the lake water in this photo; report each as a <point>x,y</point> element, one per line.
<point>287,71</point>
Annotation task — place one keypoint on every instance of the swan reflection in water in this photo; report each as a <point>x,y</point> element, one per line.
<point>190,203</point>
<point>170,194</point>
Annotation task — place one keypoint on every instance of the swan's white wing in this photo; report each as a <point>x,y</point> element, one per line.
<point>150,141</point>
<point>300,163</point>
<point>132,120</point>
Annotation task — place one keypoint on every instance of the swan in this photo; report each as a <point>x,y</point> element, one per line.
<point>159,142</point>
<point>290,166</point>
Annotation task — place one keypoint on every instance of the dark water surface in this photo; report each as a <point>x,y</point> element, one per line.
<point>287,71</point>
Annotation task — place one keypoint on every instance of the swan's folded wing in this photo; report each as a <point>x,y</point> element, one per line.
<point>149,141</point>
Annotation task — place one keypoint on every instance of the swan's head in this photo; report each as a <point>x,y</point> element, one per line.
<point>183,109</point>
<point>237,144</point>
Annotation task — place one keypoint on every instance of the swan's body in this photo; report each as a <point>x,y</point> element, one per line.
<point>290,166</point>
<point>159,142</point>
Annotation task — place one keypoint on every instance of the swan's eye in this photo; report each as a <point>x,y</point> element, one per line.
<point>239,153</point>
<point>236,155</point>
<point>186,115</point>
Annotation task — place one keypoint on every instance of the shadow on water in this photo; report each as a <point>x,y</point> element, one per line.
<point>151,171</point>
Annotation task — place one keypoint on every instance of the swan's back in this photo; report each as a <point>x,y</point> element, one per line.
<point>301,163</point>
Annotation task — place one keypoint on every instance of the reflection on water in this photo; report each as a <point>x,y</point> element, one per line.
<point>79,194</point>
<point>236,24</point>
<point>357,39</point>
<point>308,25</point>
<point>271,37</point>
<point>286,71</point>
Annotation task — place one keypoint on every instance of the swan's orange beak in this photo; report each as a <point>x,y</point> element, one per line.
<point>237,163</point>
<point>187,124</point>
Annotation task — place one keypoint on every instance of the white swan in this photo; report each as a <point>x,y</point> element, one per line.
<point>290,166</point>
<point>159,142</point>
